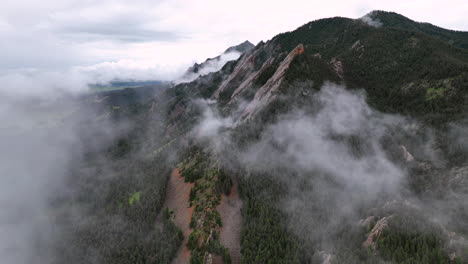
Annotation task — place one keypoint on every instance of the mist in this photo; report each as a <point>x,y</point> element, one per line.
<point>33,160</point>
<point>210,65</point>
<point>320,140</point>
<point>41,139</point>
<point>369,20</point>
<point>335,162</point>
<point>338,160</point>
<point>76,80</point>
<point>50,125</point>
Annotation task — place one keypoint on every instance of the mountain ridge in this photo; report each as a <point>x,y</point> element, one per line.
<point>393,65</point>
<point>345,141</point>
<point>392,19</point>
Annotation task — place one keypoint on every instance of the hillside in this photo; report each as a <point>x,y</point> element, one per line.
<point>344,139</point>
<point>390,19</point>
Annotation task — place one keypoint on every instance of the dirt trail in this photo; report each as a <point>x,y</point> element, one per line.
<point>177,200</point>
<point>231,217</point>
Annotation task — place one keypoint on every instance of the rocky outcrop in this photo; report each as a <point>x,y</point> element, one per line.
<point>377,231</point>
<point>406,155</point>
<point>216,63</point>
<point>337,66</point>
<point>249,82</point>
<point>244,68</point>
<point>268,92</point>
<point>356,45</point>
<point>244,47</point>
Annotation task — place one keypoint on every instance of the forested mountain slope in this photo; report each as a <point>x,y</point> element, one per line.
<point>346,139</point>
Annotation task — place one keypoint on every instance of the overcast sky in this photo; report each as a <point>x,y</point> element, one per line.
<point>156,38</point>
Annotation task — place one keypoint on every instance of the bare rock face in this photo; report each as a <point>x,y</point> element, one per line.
<point>406,155</point>
<point>377,231</point>
<point>244,68</point>
<point>245,46</point>
<point>268,92</point>
<point>337,67</point>
<point>356,44</point>
<point>358,47</point>
<point>247,72</point>
<point>248,83</point>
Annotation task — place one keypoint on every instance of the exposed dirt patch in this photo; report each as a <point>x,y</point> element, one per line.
<point>231,217</point>
<point>177,200</point>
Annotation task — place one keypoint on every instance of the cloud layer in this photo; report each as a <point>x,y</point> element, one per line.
<point>335,160</point>
<point>59,35</point>
<point>40,140</point>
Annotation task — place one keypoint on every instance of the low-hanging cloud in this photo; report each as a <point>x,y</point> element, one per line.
<point>341,139</point>
<point>369,20</point>
<point>322,142</point>
<point>209,66</point>
<point>39,142</point>
<point>340,161</point>
<point>331,160</point>
<point>48,83</point>
<point>212,125</point>
<point>458,133</point>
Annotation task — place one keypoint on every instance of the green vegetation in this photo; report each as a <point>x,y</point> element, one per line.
<point>383,61</point>
<point>404,247</point>
<point>113,212</point>
<point>434,93</point>
<point>407,241</point>
<point>205,196</point>
<point>265,237</point>
<point>412,71</point>
<point>134,198</point>
<point>390,19</point>
<point>119,228</point>
<point>408,68</point>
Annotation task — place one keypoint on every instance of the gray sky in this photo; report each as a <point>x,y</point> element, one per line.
<point>157,38</point>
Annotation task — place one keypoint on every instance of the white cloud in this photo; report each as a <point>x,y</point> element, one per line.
<point>306,142</point>
<point>58,35</point>
<point>4,26</point>
<point>47,83</point>
<point>41,83</point>
<point>212,125</point>
<point>131,70</point>
<point>371,21</point>
<point>211,66</point>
